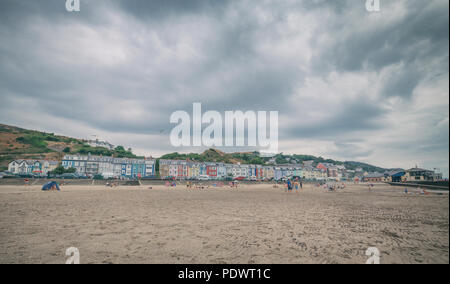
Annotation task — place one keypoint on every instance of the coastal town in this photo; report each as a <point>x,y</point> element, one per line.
<point>69,158</point>
<point>84,166</point>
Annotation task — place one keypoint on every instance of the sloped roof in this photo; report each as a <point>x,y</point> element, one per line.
<point>394,173</point>
<point>419,170</point>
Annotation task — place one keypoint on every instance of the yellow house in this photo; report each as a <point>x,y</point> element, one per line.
<point>193,170</point>
<point>268,172</point>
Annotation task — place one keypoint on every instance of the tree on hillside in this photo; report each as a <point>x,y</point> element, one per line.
<point>119,148</point>
<point>61,170</point>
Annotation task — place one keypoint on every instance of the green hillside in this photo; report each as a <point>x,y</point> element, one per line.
<point>19,143</point>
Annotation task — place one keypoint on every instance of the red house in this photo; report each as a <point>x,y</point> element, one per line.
<point>182,172</point>
<point>259,173</point>
<point>211,171</point>
<point>321,166</point>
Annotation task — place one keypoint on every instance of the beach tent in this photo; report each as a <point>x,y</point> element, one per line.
<point>49,185</point>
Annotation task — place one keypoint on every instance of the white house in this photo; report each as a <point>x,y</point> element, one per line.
<point>36,167</point>
<point>110,166</point>
<point>100,143</point>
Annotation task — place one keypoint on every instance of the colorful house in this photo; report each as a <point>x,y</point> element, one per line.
<point>110,167</point>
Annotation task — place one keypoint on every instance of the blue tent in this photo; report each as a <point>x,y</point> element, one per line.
<point>49,185</point>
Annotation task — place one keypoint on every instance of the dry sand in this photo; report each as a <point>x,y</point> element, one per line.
<point>253,224</point>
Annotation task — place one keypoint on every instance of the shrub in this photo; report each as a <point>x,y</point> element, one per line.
<point>61,170</point>
<point>33,140</point>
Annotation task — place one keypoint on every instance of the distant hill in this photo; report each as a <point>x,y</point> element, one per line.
<point>18,143</point>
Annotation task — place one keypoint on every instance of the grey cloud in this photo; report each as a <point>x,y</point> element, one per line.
<point>356,116</point>
<point>418,41</point>
<point>350,151</point>
<point>380,44</point>
<point>402,84</point>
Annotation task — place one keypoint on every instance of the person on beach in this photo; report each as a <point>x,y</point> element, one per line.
<point>289,185</point>
<point>301,185</point>
<point>423,191</point>
<point>296,185</point>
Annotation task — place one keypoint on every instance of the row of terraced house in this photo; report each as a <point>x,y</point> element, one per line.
<point>110,167</point>
<point>182,169</point>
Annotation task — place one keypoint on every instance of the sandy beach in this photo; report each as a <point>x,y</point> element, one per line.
<point>251,224</point>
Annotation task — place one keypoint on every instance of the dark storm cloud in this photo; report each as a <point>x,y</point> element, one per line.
<point>414,40</point>
<point>357,116</point>
<point>402,84</point>
<point>13,10</point>
<point>15,14</point>
<point>379,44</point>
<point>161,9</point>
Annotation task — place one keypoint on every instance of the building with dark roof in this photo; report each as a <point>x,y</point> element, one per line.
<point>418,174</point>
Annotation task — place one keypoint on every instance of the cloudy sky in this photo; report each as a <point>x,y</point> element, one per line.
<point>348,84</point>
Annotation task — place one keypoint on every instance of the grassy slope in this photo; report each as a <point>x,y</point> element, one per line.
<point>19,143</point>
